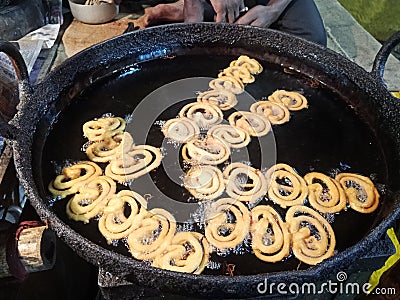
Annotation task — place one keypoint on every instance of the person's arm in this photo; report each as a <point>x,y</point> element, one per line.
<point>264,15</point>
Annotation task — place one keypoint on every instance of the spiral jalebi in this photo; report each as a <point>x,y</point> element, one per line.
<point>239,73</point>
<point>208,151</point>
<point>114,224</point>
<point>91,199</point>
<point>250,64</point>
<point>153,236</point>
<point>204,115</point>
<point>292,100</point>
<point>244,183</point>
<point>224,99</point>
<point>180,129</point>
<point>141,159</point>
<point>275,112</point>
<point>361,192</point>
<point>228,223</point>
<point>325,193</point>
<point>286,187</point>
<point>188,252</point>
<point>232,136</point>
<point>204,182</point>
<point>313,239</point>
<point>254,124</point>
<point>270,234</point>
<point>98,130</point>
<point>73,177</point>
<point>227,83</point>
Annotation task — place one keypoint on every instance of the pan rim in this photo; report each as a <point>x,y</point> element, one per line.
<point>23,145</point>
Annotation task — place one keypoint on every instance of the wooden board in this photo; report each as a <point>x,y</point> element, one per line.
<point>79,36</point>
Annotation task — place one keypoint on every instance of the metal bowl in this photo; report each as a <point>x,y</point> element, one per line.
<point>93,14</point>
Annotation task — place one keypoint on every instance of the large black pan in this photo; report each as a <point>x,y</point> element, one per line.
<point>353,122</point>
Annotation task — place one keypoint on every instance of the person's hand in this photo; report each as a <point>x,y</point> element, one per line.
<point>227,10</point>
<point>264,15</point>
<point>259,16</point>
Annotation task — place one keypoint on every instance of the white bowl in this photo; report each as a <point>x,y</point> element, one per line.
<point>93,14</point>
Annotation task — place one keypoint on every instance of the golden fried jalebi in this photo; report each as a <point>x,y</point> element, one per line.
<point>204,182</point>
<point>105,150</point>
<point>286,187</point>
<point>244,183</point>
<point>313,239</point>
<point>275,112</point>
<point>208,151</point>
<point>224,99</point>
<point>324,193</point>
<point>141,159</point>
<point>204,115</point>
<point>292,100</point>
<point>73,177</point>
<point>361,192</point>
<point>113,224</point>
<point>91,199</point>
<point>97,130</point>
<point>230,84</point>
<point>153,235</point>
<point>250,64</point>
<point>232,136</point>
<point>254,124</point>
<point>228,223</point>
<point>189,252</point>
<point>239,73</point>
<point>270,234</point>
<point>180,129</point>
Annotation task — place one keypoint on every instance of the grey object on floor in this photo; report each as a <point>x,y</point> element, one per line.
<point>347,37</point>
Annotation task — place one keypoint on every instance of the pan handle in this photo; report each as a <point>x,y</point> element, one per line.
<point>382,56</point>
<point>25,89</point>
